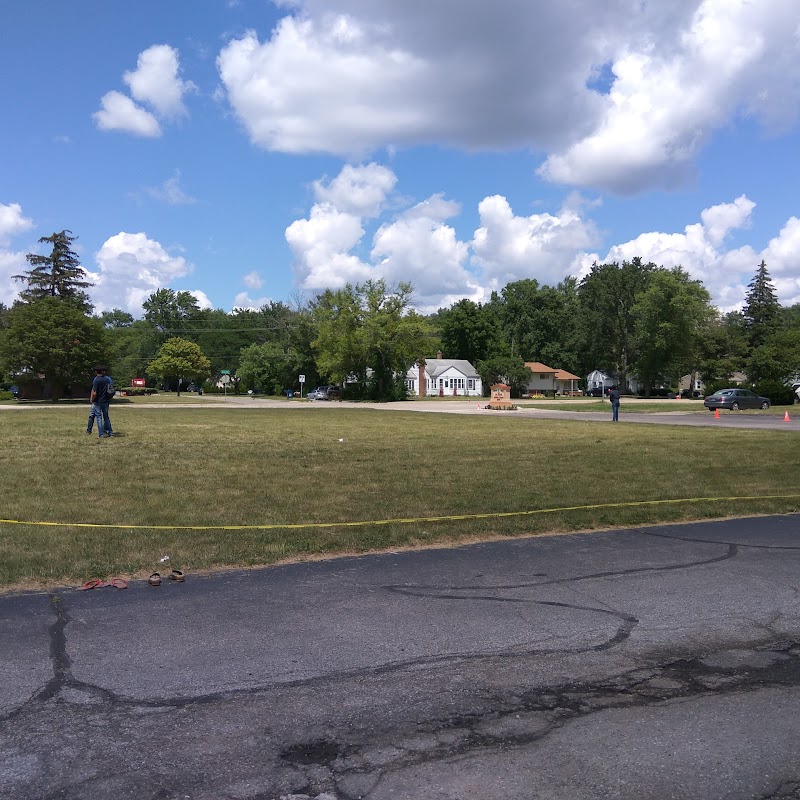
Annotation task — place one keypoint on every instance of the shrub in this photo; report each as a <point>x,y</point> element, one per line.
<point>6,395</point>
<point>779,393</point>
<point>715,386</point>
<point>137,391</point>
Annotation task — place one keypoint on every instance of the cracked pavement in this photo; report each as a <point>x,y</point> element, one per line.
<point>659,662</point>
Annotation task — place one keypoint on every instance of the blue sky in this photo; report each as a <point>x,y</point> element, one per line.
<point>248,150</point>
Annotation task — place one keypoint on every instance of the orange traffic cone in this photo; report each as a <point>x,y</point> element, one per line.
<point>786,417</point>
<point>716,413</point>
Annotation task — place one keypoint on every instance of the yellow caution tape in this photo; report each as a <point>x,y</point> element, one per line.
<point>406,521</point>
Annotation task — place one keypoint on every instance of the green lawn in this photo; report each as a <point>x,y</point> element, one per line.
<point>218,466</point>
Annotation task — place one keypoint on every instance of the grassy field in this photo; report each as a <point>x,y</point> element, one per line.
<point>216,466</point>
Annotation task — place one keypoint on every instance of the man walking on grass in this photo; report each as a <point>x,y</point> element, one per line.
<point>100,397</point>
<point>613,396</point>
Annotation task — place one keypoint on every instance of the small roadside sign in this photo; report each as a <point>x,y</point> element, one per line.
<point>302,379</point>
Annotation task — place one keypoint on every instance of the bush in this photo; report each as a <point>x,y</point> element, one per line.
<point>779,393</point>
<point>6,395</point>
<point>137,391</point>
<point>715,386</point>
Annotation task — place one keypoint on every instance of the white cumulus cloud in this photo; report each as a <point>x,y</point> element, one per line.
<point>323,242</point>
<point>420,248</point>
<point>541,246</point>
<point>119,113</point>
<point>360,190</point>
<point>700,250</point>
<point>253,280</point>
<point>244,302</point>
<point>12,223</point>
<point>670,93</point>
<point>132,267</point>
<point>618,95</point>
<point>156,83</point>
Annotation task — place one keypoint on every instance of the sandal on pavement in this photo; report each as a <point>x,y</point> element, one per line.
<point>94,583</point>
<point>154,579</point>
<point>177,575</point>
<point>118,583</point>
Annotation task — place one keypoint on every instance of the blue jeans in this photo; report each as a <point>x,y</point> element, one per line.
<point>615,412</point>
<point>100,413</point>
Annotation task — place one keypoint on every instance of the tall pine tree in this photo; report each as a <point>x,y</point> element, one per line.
<point>58,275</point>
<point>761,307</point>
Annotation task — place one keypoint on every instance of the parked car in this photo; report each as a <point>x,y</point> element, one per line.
<point>597,391</point>
<point>735,399</point>
<point>325,393</point>
<point>14,392</point>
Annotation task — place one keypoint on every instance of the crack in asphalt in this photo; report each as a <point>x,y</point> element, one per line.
<point>63,678</point>
<point>422,589</point>
<point>536,714</point>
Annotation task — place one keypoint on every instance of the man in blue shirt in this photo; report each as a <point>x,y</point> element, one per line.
<point>100,397</point>
<point>613,396</point>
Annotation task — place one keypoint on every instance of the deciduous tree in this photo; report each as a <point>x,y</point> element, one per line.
<point>178,360</point>
<point>369,333</point>
<point>510,370</point>
<point>608,295</point>
<point>52,341</point>
<point>470,331</point>
<point>669,317</point>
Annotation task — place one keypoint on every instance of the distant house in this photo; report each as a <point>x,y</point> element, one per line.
<point>693,384</point>
<point>597,379</point>
<point>549,381</point>
<point>445,376</point>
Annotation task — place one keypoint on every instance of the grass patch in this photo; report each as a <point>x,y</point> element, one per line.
<point>217,466</point>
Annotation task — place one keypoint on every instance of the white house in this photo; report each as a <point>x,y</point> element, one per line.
<point>444,376</point>
<point>597,379</point>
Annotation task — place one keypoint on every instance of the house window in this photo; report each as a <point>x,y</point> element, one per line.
<point>471,383</point>
<point>543,377</point>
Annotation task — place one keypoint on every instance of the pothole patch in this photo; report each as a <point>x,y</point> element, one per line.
<point>318,751</point>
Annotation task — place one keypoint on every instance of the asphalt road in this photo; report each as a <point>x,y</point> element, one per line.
<point>657,664</point>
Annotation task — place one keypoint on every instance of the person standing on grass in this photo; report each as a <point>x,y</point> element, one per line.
<point>613,396</point>
<point>100,397</point>
<point>90,421</point>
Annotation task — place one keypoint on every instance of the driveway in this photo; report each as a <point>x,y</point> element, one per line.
<point>654,663</point>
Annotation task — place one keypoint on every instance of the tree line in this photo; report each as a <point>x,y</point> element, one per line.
<point>632,319</point>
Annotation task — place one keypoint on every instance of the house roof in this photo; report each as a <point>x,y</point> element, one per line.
<point>563,375</point>
<point>434,367</point>
<point>537,366</point>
